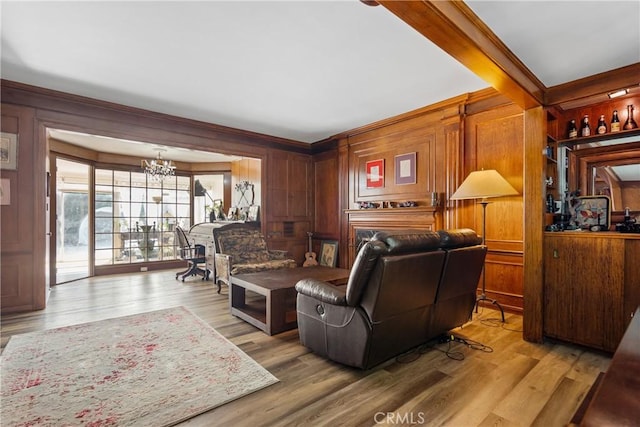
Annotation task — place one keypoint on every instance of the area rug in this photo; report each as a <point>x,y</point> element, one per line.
<point>152,369</point>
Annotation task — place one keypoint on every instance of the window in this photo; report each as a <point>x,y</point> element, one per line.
<point>136,217</point>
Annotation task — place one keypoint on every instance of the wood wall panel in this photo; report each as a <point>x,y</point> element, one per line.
<point>495,140</point>
<point>17,276</point>
<point>23,230</point>
<point>289,216</point>
<point>326,216</point>
<point>426,133</point>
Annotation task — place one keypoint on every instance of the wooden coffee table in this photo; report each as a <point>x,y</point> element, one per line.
<point>271,305</point>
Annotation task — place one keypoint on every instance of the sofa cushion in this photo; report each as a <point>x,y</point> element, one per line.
<point>458,238</point>
<point>405,241</point>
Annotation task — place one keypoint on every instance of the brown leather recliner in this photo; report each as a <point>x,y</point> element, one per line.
<point>389,303</point>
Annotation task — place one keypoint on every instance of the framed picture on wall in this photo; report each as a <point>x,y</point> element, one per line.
<point>329,253</point>
<point>5,191</point>
<point>375,173</point>
<point>8,151</point>
<point>405,168</point>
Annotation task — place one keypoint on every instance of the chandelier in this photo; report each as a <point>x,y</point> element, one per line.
<point>158,168</point>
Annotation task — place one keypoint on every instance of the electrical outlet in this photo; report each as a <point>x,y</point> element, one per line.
<point>144,268</point>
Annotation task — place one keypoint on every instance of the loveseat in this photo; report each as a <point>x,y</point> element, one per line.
<point>242,248</point>
<point>404,289</point>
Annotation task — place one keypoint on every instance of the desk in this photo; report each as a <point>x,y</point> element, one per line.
<point>276,311</point>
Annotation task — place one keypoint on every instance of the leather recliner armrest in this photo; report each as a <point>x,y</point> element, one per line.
<point>322,291</point>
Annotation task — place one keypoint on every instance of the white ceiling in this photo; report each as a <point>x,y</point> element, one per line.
<point>303,70</point>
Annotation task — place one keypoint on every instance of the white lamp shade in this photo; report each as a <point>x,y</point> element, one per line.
<point>483,184</point>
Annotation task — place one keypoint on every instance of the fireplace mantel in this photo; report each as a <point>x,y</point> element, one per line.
<point>366,221</point>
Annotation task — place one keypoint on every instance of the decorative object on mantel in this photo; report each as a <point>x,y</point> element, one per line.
<point>157,169</point>
<point>483,184</point>
<point>407,204</point>
<point>435,199</point>
<point>368,205</point>
<point>151,369</point>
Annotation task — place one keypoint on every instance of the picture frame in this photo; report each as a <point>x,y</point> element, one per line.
<point>5,191</point>
<point>593,213</point>
<point>254,213</point>
<point>375,173</point>
<point>231,215</point>
<point>405,168</point>
<point>329,253</point>
<point>8,151</point>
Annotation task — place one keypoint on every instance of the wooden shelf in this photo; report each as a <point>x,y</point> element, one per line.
<point>597,138</point>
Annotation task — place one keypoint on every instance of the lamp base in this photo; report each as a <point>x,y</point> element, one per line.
<point>483,297</point>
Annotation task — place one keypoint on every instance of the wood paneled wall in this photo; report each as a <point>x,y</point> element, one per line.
<point>495,140</point>
<point>289,188</point>
<point>448,146</point>
<point>23,231</point>
<point>30,111</point>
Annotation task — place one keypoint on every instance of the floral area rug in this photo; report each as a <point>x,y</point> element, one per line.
<point>152,369</point>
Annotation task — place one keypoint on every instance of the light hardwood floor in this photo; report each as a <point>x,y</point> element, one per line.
<point>518,384</point>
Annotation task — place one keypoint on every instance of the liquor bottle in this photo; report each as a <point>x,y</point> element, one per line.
<point>615,122</point>
<point>630,123</point>
<point>602,126</point>
<point>585,129</point>
<point>572,131</point>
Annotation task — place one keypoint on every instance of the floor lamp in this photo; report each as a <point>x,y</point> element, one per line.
<point>482,185</point>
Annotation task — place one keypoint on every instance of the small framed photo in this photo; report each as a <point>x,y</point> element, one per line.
<point>406,169</point>
<point>8,151</point>
<point>254,213</point>
<point>232,213</point>
<point>329,253</point>
<point>375,173</point>
<point>5,191</point>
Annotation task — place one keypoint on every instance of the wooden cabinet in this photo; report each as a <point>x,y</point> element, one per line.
<point>592,286</point>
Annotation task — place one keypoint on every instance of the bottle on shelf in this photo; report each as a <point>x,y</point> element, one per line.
<point>572,130</point>
<point>602,126</point>
<point>615,122</point>
<point>630,123</point>
<point>585,129</point>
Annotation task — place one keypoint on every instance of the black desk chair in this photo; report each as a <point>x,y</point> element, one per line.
<point>193,254</point>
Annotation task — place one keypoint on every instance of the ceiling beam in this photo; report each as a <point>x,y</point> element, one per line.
<point>454,27</point>
<point>594,88</point>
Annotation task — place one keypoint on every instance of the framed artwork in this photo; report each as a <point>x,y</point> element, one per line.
<point>375,173</point>
<point>406,169</point>
<point>593,211</point>
<point>232,213</point>
<point>5,191</point>
<point>329,253</point>
<point>254,213</point>
<point>8,151</point>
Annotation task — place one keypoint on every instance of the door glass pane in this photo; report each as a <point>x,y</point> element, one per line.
<point>72,221</point>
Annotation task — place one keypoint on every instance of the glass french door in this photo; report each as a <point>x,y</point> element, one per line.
<point>74,225</point>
